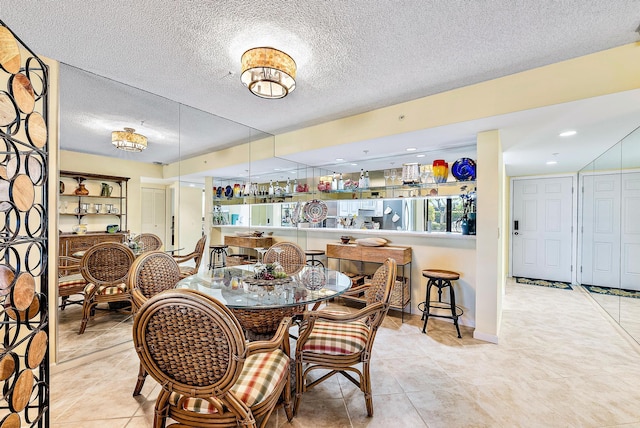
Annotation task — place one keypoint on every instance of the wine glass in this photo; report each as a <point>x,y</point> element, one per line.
<point>259,266</point>
<point>277,266</point>
<point>387,174</point>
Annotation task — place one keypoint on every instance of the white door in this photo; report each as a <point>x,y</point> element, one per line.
<point>610,230</point>
<point>154,218</point>
<point>541,228</point>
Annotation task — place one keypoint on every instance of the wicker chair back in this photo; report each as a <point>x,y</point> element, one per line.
<point>152,273</point>
<point>292,257</point>
<point>106,263</point>
<point>149,241</point>
<point>189,342</point>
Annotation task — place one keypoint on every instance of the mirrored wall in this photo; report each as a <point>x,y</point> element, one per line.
<point>163,196</point>
<point>609,245</point>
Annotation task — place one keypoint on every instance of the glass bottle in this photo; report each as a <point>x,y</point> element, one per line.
<point>340,183</point>
<point>295,186</point>
<point>361,180</point>
<point>334,182</point>
<point>366,180</point>
<point>270,187</point>
<point>287,187</point>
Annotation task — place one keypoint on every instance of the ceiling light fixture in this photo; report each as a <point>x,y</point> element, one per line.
<point>568,133</point>
<point>128,140</point>
<point>411,149</point>
<point>552,162</point>
<point>268,72</point>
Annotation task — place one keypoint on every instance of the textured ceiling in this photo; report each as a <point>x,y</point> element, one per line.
<point>352,56</point>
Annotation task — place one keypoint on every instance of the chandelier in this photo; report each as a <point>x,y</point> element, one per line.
<point>128,140</point>
<point>268,72</point>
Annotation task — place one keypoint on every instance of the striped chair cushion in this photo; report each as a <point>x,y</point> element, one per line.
<point>260,375</point>
<point>114,289</point>
<point>71,281</point>
<point>337,338</point>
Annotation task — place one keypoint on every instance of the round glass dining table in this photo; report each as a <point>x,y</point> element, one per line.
<point>260,305</point>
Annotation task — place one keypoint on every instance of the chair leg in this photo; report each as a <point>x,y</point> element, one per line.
<point>64,303</point>
<point>299,385</point>
<point>288,406</point>
<point>366,388</point>
<point>142,375</point>
<point>87,311</point>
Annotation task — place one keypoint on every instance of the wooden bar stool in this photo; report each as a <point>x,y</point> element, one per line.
<point>217,256</point>
<point>313,254</point>
<point>441,279</point>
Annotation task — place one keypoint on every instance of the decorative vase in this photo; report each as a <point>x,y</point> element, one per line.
<point>440,171</point>
<point>465,226</point>
<point>81,190</point>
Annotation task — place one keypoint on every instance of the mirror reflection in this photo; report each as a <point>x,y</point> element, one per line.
<point>610,240</point>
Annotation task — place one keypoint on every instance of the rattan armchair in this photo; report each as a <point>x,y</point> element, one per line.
<point>193,346</point>
<point>70,281</point>
<point>196,256</point>
<point>148,241</point>
<point>338,342</point>
<point>292,257</point>
<point>105,267</point>
<point>151,273</point>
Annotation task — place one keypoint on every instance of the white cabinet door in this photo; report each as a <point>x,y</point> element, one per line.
<point>154,217</point>
<point>630,246</point>
<point>541,245</point>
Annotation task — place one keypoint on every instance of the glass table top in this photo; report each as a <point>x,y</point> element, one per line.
<point>237,287</point>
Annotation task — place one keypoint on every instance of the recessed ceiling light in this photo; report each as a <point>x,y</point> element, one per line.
<point>552,162</point>
<point>568,133</point>
<point>420,156</point>
<point>276,169</point>
<point>354,164</point>
<point>411,149</point>
<point>339,160</point>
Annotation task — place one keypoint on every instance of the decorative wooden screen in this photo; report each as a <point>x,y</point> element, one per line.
<point>24,169</point>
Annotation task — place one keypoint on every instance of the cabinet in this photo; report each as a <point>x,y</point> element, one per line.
<point>104,203</point>
<point>70,243</point>
<point>401,292</point>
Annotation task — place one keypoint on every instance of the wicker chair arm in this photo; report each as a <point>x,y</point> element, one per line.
<point>347,317</point>
<point>357,290</point>
<point>185,258</point>
<point>68,265</point>
<point>280,340</point>
<point>138,299</point>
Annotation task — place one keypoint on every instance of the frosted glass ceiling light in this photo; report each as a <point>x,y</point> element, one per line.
<point>268,72</point>
<point>128,140</point>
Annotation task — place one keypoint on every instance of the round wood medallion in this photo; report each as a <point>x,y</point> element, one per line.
<point>6,279</point>
<point>36,349</point>
<point>11,421</point>
<point>24,291</point>
<point>8,110</point>
<point>23,93</point>
<point>37,130</point>
<point>23,192</point>
<point>9,51</point>
<point>22,391</point>
<point>7,366</point>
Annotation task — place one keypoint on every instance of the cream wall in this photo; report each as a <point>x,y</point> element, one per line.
<point>82,162</point>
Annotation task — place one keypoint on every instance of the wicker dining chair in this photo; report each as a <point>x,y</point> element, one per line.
<point>196,256</point>
<point>337,342</point>
<point>105,267</point>
<point>70,280</point>
<point>151,273</point>
<point>193,346</point>
<point>292,258</point>
<point>148,241</point>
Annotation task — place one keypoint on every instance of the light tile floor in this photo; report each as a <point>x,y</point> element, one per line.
<point>560,363</point>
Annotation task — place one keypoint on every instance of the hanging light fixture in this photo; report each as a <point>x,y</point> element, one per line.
<point>268,72</point>
<point>128,140</point>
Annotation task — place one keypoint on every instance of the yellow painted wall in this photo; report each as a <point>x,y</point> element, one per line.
<point>82,162</point>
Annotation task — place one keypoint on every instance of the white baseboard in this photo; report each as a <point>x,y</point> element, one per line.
<point>492,338</point>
